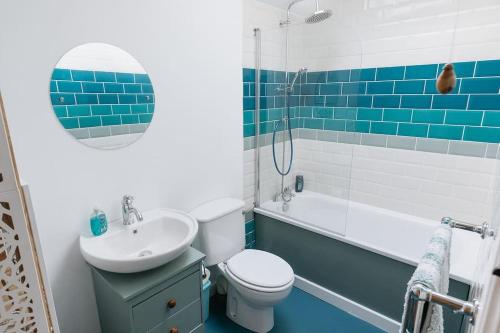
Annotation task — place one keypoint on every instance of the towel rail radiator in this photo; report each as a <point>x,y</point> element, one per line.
<point>483,229</point>
<point>421,296</point>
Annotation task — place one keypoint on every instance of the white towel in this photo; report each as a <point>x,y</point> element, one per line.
<point>432,272</point>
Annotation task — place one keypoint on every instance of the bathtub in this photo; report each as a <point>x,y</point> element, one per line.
<point>398,236</point>
<point>362,253</point>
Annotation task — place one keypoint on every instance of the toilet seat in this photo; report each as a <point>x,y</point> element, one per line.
<point>260,271</point>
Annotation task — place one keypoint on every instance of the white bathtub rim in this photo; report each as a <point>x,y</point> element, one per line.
<point>350,204</point>
<point>345,239</point>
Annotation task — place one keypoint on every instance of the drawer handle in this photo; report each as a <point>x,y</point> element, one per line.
<point>174,330</point>
<point>171,304</point>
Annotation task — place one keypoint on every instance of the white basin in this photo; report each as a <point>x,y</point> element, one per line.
<point>162,236</point>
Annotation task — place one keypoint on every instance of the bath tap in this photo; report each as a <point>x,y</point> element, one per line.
<point>128,210</point>
<point>287,194</point>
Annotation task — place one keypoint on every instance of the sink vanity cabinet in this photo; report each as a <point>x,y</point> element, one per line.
<point>166,299</point>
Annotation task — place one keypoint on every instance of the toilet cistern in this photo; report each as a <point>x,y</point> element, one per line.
<point>129,211</point>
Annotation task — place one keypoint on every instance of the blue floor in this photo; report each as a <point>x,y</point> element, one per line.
<point>299,313</point>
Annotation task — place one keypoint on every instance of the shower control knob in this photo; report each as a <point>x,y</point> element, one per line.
<point>171,303</point>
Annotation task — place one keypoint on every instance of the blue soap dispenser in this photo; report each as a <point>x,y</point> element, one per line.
<point>98,222</point>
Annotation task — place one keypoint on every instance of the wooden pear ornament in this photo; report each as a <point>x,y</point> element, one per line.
<point>447,80</point>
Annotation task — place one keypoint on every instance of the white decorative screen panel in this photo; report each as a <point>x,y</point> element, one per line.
<point>17,305</point>
<point>22,306</point>
<point>7,178</point>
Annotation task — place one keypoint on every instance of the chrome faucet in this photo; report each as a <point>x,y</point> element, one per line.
<point>287,194</point>
<point>128,210</point>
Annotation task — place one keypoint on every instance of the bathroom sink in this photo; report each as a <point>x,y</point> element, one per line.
<point>162,236</point>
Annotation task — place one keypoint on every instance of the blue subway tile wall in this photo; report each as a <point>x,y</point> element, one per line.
<point>87,99</point>
<point>400,101</point>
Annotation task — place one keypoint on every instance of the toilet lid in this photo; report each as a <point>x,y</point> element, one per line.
<point>260,268</point>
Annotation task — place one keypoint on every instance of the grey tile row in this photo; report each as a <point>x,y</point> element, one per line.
<point>103,131</point>
<point>267,139</point>
<point>462,148</point>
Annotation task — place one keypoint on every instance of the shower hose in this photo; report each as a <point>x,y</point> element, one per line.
<point>289,131</point>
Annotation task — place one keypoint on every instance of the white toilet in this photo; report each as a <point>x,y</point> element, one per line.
<point>257,280</point>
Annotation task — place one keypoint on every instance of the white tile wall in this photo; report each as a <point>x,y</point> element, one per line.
<point>326,167</point>
<point>375,33</point>
<point>495,209</point>
<point>257,14</point>
<point>249,176</point>
<point>423,184</point>
<point>270,179</point>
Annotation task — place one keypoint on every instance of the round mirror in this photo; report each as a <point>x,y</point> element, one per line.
<point>102,95</point>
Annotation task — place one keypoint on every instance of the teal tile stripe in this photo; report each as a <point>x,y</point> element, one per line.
<point>400,101</point>
<point>250,234</point>
<point>94,99</point>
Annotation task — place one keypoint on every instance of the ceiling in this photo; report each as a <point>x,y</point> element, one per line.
<point>305,7</point>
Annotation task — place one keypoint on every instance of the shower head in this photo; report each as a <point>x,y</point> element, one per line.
<point>319,15</point>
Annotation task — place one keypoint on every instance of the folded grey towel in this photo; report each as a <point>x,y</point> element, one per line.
<point>432,272</point>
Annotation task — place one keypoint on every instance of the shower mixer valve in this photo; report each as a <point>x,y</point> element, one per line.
<point>287,194</point>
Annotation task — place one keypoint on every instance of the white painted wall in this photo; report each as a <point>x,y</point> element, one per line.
<point>100,57</point>
<point>195,64</point>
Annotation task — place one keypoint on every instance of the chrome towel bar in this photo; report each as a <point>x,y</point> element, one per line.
<point>483,229</point>
<point>421,295</point>
<point>457,305</point>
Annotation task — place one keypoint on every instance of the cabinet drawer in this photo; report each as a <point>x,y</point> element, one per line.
<point>185,321</point>
<point>166,303</point>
